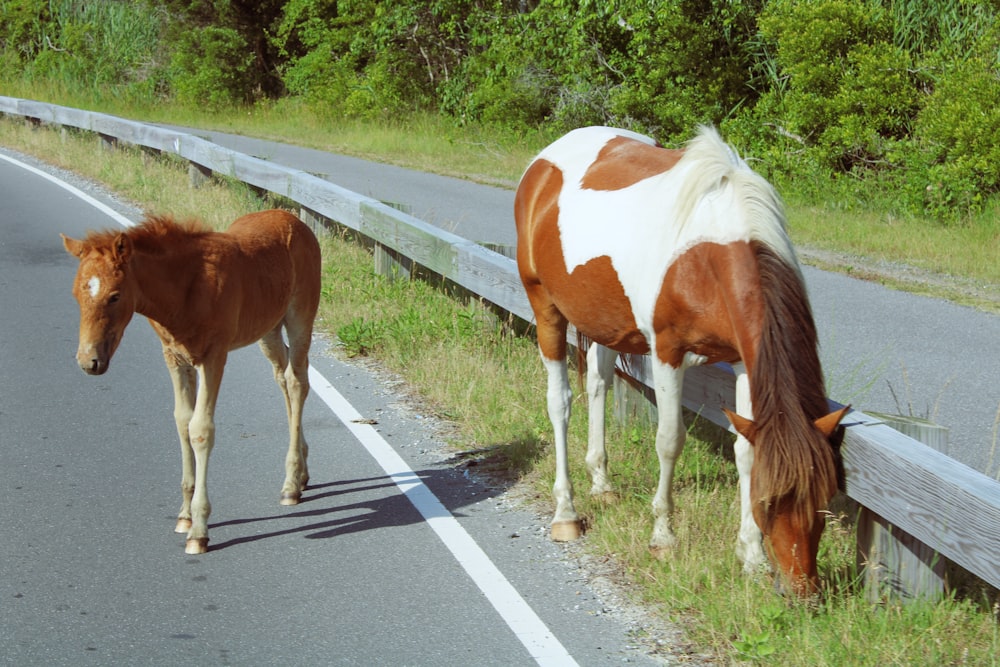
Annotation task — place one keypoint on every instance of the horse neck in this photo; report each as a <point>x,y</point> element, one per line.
<point>787,393</point>
<point>164,278</point>
<point>787,374</point>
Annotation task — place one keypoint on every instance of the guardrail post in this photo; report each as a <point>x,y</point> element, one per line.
<point>198,175</point>
<point>895,563</point>
<point>316,222</point>
<point>633,402</point>
<point>107,142</point>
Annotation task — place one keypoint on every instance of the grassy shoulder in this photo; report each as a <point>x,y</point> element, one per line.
<point>472,367</point>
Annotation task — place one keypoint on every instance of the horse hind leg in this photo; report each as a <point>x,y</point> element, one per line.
<point>566,525</point>
<point>600,369</point>
<point>291,373</point>
<point>201,431</point>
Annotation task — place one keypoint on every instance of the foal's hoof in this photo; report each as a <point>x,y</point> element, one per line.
<point>183,526</point>
<point>196,545</point>
<point>566,531</point>
<point>290,498</point>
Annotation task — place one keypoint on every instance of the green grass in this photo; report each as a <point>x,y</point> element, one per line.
<point>469,366</point>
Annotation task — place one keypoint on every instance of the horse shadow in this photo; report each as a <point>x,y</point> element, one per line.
<point>338,508</point>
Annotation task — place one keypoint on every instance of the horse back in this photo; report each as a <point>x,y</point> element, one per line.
<point>277,269</point>
<point>615,231</point>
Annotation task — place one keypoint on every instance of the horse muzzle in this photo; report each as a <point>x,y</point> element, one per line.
<point>94,359</point>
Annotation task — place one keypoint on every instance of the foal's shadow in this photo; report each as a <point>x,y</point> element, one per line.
<point>374,508</point>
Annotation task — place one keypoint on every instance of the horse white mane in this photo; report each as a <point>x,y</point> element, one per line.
<point>712,164</point>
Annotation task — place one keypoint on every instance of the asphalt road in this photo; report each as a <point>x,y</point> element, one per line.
<point>396,556</point>
<point>882,350</point>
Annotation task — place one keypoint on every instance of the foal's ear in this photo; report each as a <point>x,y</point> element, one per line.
<point>72,246</point>
<point>743,426</point>
<point>122,248</point>
<point>828,424</point>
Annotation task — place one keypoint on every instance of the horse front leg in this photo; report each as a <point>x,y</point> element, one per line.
<point>668,383</point>
<point>184,380</point>
<point>291,372</point>
<point>670,436</point>
<point>201,431</point>
<point>600,369</point>
<point>566,524</point>
<point>749,544</point>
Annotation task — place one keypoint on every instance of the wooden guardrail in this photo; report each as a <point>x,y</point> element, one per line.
<point>950,508</point>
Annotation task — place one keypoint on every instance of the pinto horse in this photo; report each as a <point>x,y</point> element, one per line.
<point>681,253</point>
<point>206,293</point>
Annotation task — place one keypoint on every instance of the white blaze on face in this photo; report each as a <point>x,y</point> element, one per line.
<point>94,284</point>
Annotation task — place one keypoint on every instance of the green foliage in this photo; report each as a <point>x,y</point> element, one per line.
<point>754,646</point>
<point>235,31</point>
<point>685,64</point>
<point>23,33</point>
<point>359,336</point>
<point>954,159</point>
<point>850,95</point>
<point>211,67</point>
<point>890,104</point>
<point>84,46</point>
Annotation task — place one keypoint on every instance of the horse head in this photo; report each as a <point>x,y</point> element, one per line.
<point>107,296</point>
<point>791,520</point>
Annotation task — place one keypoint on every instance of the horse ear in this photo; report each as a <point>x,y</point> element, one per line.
<point>72,246</point>
<point>742,425</point>
<point>122,248</point>
<point>828,424</point>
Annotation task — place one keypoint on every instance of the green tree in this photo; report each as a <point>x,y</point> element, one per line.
<point>230,37</point>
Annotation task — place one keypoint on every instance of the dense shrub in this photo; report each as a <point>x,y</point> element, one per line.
<point>82,46</point>
<point>891,101</point>
<point>954,159</point>
<point>850,94</point>
<point>211,67</point>
<point>685,63</point>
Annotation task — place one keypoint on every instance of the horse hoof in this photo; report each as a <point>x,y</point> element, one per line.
<point>660,553</point>
<point>566,531</point>
<point>183,526</point>
<point>605,497</point>
<point>196,545</point>
<point>290,498</point>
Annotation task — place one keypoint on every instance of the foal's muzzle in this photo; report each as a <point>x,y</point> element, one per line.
<point>94,360</point>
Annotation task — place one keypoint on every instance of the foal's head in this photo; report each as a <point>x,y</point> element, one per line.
<point>790,487</point>
<point>107,295</point>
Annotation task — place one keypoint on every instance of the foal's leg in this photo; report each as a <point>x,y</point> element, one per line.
<point>291,372</point>
<point>600,369</point>
<point>185,384</point>
<point>201,431</point>
<point>749,547</point>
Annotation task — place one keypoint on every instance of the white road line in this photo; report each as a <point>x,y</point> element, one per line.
<point>100,206</point>
<point>530,630</point>
<point>519,616</point>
